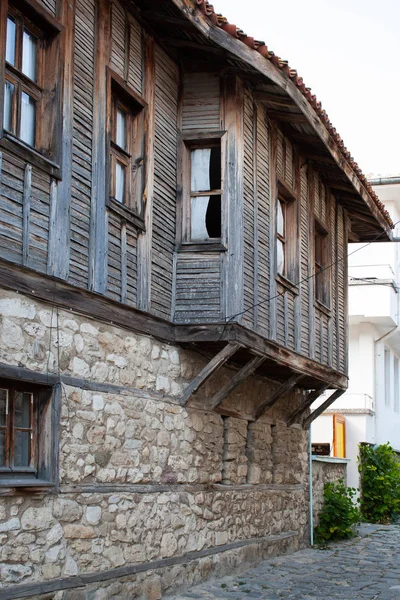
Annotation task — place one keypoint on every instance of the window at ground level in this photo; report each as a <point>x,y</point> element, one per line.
<point>205,193</point>
<point>26,430</point>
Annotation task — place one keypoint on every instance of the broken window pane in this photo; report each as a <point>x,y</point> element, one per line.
<point>205,169</point>
<point>28,119</point>
<point>8,105</point>
<point>205,218</point>
<point>29,55</point>
<point>10,44</point>
<point>280,257</point>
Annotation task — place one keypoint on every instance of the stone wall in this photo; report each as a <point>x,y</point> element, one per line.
<point>328,470</point>
<point>151,495</point>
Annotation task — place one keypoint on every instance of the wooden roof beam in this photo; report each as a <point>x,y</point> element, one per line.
<point>273,99</point>
<point>211,367</point>
<point>309,399</point>
<point>318,411</point>
<point>236,380</point>
<point>287,117</point>
<point>283,389</point>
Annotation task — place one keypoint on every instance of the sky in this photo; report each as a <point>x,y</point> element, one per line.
<point>348,53</point>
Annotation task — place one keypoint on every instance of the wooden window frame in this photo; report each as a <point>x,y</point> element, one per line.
<point>290,207</point>
<point>44,425</point>
<point>46,91</point>
<point>132,156</point>
<point>189,142</point>
<point>322,272</point>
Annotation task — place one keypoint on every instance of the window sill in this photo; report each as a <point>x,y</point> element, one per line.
<point>30,155</point>
<point>202,247</point>
<point>287,284</point>
<point>37,484</point>
<point>126,213</point>
<point>323,308</point>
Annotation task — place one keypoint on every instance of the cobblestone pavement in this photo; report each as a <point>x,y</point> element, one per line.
<point>366,567</point>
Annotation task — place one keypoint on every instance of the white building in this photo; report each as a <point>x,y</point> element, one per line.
<point>370,407</point>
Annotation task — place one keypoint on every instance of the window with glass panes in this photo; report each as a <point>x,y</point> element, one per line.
<point>205,192</point>
<point>281,237</point>
<point>18,429</point>
<point>322,270</point>
<point>22,86</point>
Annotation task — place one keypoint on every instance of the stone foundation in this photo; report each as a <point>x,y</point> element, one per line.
<point>150,496</point>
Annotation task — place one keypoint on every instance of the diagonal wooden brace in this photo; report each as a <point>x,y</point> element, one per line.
<point>215,363</point>
<point>318,411</point>
<point>240,376</point>
<point>310,398</point>
<point>283,389</point>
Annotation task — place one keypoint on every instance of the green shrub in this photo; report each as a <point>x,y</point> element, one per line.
<point>379,469</point>
<point>339,514</point>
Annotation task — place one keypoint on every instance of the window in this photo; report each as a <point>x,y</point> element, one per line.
<point>286,235</point>
<point>205,193</point>
<point>30,80</point>
<point>126,146</point>
<point>396,384</point>
<point>322,264</point>
<point>26,431</point>
<point>22,87</point>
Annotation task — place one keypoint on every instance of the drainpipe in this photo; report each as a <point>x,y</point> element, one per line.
<point>310,471</point>
<point>384,180</point>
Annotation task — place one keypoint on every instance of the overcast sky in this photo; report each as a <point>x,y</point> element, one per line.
<point>348,52</point>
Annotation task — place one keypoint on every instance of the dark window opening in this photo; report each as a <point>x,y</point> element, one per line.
<point>205,191</point>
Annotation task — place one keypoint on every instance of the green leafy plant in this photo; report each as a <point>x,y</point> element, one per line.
<point>379,469</point>
<point>339,513</point>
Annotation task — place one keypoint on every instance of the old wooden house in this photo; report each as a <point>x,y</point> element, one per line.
<point>175,208</point>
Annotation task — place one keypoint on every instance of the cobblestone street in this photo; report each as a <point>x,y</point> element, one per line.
<point>366,567</point>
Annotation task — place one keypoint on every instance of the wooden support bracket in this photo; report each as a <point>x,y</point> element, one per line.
<point>310,398</point>
<point>283,389</point>
<point>215,363</point>
<point>240,376</point>
<point>318,411</point>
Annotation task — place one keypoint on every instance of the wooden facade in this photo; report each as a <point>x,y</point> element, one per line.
<point>66,240</point>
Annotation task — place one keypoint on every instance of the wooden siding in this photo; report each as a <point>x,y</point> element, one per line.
<point>50,5</point>
<point>262,158</point>
<point>201,101</point>
<point>198,287</point>
<point>305,266</point>
<point>81,188</point>
<point>249,189</point>
<point>165,165</point>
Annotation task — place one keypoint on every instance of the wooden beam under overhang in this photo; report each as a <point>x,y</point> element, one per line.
<point>281,391</point>
<point>207,334</point>
<point>286,116</point>
<point>318,411</point>
<point>309,399</point>
<point>273,99</point>
<point>258,62</point>
<point>211,367</point>
<point>236,380</point>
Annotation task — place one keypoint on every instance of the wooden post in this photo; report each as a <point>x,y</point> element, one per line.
<point>98,229</point>
<point>145,238</point>
<point>318,411</point>
<point>62,214</point>
<point>310,398</point>
<point>233,197</point>
<point>218,361</point>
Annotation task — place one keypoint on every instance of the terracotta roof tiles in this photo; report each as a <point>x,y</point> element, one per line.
<point>220,21</point>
